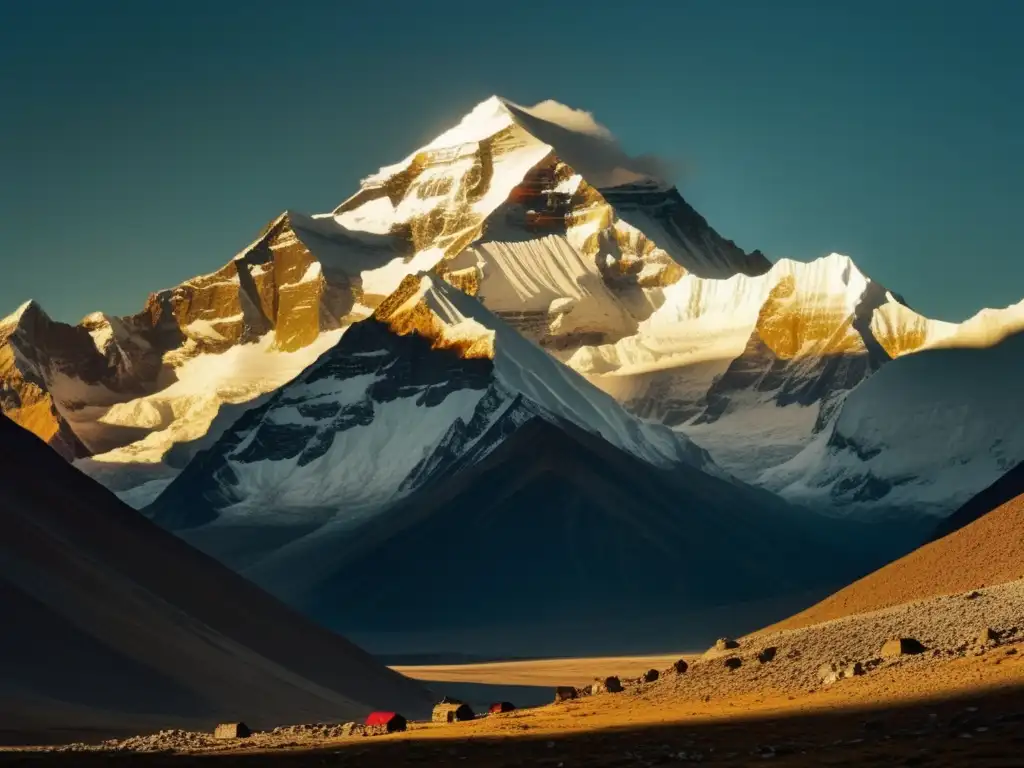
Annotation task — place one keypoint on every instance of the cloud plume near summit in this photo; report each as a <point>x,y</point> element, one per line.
<point>604,150</point>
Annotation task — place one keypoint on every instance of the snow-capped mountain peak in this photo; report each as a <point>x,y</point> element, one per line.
<point>572,249</point>
<point>15,317</point>
<point>431,380</point>
<point>450,319</point>
<point>573,134</point>
<point>490,203</point>
<point>548,168</point>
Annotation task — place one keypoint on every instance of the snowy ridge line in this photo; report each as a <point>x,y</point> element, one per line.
<point>563,239</point>
<point>522,367</point>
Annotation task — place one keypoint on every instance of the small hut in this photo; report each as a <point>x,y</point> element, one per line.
<point>385,722</point>
<point>451,711</point>
<point>232,731</point>
<point>501,706</point>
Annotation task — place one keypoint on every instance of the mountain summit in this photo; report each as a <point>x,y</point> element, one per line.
<point>549,169</point>
<point>511,200</point>
<point>540,216</point>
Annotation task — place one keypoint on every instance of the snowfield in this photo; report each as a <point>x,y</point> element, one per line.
<point>925,433</point>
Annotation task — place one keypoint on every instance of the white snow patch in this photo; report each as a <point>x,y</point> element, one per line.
<point>376,216</point>
<point>102,335</point>
<point>362,469</point>
<point>185,410</point>
<point>384,280</point>
<point>203,329</point>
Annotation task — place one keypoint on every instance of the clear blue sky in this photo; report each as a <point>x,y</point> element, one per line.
<point>146,141</point>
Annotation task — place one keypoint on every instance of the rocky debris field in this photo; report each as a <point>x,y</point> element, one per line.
<point>193,741</point>
<point>806,659</point>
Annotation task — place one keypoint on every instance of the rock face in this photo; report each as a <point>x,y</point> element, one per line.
<point>755,365</point>
<point>24,395</point>
<point>130,389</point>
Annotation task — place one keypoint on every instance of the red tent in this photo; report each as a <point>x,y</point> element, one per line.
<point>388,721</point>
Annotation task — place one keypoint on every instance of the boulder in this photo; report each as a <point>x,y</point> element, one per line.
<point>680,667</point>
<point>564,693</point>
<point>901,646</point>
<point>232,731</point>
<point>352,729</point>
<point>733,662</point>
<point>835,671</point>
<point>607,685</point>
<point>650,676</point>
<point>725,644</point>
<point>767,654</point>
<point>987,637</point>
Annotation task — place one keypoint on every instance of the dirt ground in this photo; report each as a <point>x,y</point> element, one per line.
<point>967,711</point>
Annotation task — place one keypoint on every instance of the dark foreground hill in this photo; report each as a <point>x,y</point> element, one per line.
<point>112,624</point>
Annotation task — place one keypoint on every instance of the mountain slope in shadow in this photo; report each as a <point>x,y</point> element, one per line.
<point>111,623</point>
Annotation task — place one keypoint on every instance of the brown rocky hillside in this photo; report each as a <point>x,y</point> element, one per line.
<point>988,551</point>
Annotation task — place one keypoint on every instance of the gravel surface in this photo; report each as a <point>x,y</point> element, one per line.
<point>947,626</point>
<point>190,741</point>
